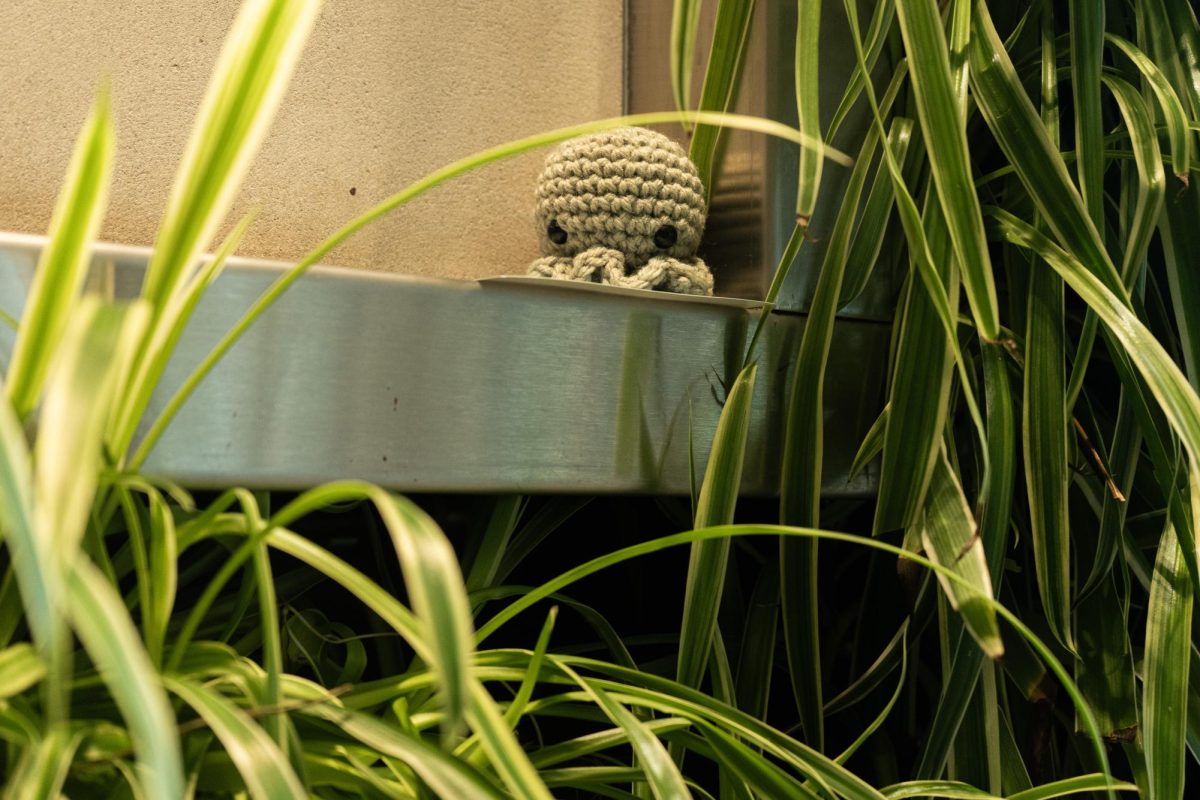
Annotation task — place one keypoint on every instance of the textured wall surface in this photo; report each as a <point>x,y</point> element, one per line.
<point>387,90</point>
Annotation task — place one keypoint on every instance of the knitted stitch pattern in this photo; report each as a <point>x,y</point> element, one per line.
<point>622,207</point>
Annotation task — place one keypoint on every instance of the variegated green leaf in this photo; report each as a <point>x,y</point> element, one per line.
<point>263,766</point>
<point>715,506</point>
<point>951,538</point>
<point>945,136</point>
<point>1167,652</point>
<point>63,264</point>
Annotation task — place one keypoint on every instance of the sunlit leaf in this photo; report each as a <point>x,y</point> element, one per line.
<point>63,263</point>
<point>103,625</point>
<point>263,766</point>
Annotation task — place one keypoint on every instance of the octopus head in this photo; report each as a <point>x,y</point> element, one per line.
<point>628,189</point>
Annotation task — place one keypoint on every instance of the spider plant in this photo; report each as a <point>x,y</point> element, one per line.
<point>1021,152</point>
<point>126,664</point>
<point>156,644</point>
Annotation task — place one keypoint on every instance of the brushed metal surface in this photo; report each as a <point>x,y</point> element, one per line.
<point>438,385</point>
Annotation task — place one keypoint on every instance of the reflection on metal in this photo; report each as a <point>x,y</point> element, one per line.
<point>754,198</point>
<point>439,385</point>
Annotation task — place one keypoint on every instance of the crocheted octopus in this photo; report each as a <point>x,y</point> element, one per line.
<point>623,207</point>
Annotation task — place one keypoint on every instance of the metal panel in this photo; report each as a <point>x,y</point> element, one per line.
<point>440,385</point>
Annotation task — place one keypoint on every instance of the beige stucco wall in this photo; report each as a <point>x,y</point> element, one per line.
<point>387,90</point>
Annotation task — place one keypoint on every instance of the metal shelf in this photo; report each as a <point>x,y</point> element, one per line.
<point>437,385</point>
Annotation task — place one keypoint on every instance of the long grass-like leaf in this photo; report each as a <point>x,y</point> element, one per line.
<point>448,777</point>
<point>495,736</point>
<point>600,740</point>
<point>953,790</point>
<point>808,105</point>
<point>872,443</point>
<point>767,779</point>
<point>725,54</point>
<point>262,765</point>
<point>1087,50</point>
<point>1181,246</point>
<point>1104,665</point>
<point>1095,782</point>
<point>1172,109</point>
<point>918,403</point>
<point>951,539</point>
<point>1170,34</point>
<point>662,775</point>
<point>958,689</point>
<point>494,544</point>
<point>715,506</point>
<point>507,757</point>
<point>63,264</point>
<point>79,392</point>
<point>1124,456</point>
<point>246,87</point>
<point>1085,31</point>
<point>43,769</point>
<point>600,624</point>
<point>657,693</point>
<point>869,237</point>
<point>431,573</point>
<point>929,251</point>
<point>20,668</point>
<point>159,345</point>
<point>1014,776</point>
<point>873,676</point>
<point>1017,126</point>
<point>45,522</point>
<point>516,708</point>
<point>163,576</point>
<point>685,22</point>
<point>976,754</point>
<point>886,711</point>
<point>1164,379</point>
<point>756,659</point>
<point>876,38</point>
<point>40,585</point>
<point>1151,178</point>
<point>945,136</point>
<point>1045,446</point>
<point>1012,119</point>
<point>103,625</point>
<point>1167,651</point>
<point>997,507</point>
<point>272,647</point>
<point>803,456</point>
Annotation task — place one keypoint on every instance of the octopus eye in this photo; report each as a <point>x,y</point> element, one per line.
<point>556,234</point>
<point>665,237</point>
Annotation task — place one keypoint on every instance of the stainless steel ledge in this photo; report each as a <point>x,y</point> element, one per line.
<point>437,385</point>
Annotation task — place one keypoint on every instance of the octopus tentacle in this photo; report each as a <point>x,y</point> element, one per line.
<point>683,276</point>
<point>559,267</point>
<point>601,264</point>
<point>596,264</point>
